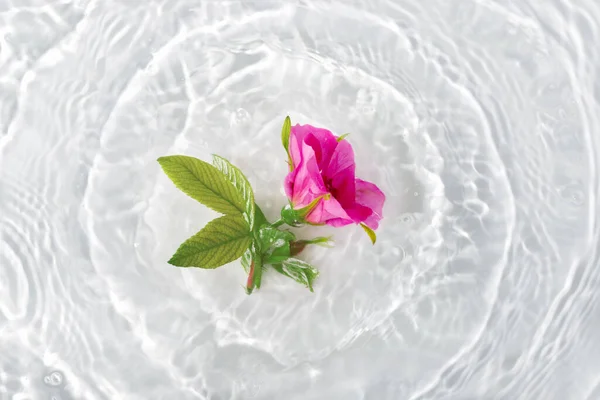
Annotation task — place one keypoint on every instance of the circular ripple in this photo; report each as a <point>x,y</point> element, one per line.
<point>449,206</point>
<point>474,118</point>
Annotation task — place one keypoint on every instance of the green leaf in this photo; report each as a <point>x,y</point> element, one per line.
<point>241,184</point>
<point>221,241</point>
<point>370,232</point>
<point>275,244</point>
<point>340,138</point>
<point>204,183</point>
<point>259,218</point>
<point>299,271</point>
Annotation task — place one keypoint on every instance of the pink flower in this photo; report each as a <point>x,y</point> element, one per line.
<point>323,168</point>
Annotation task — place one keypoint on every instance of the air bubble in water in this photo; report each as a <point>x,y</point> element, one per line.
<point>54,379</point>
<point>240,117</point>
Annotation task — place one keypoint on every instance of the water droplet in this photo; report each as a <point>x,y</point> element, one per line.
<point>240,117</point>
<point>54,379</point>
<point>398,252</point>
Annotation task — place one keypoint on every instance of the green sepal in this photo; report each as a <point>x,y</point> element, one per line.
<point>296,246</point>
<point>340,138</point>
<point>296,218</point>
<point>370,232</point>
<point>275,244</point>
<point>300,271</point>
<point>285,138</point>
<point>252,261</point>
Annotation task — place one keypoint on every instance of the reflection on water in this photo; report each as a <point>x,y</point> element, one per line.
<point>476,118</point>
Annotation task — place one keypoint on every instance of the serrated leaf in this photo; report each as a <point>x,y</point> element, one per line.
<point>240,182</point>
<point>370,232</point>
<point>221,241</point>
<point>340,138</point>
<point>300,271</point>
<point>204,183</point>
<point>275,244</point>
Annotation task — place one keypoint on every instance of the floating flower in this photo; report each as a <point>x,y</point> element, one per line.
<point>322,186</point>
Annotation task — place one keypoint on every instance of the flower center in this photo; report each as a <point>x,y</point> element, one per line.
<point>329,186</point>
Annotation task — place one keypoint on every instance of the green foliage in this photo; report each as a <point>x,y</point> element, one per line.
<point>221,241</point>
<point>204,183</point>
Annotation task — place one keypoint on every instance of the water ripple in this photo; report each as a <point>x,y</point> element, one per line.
<point>476,118</point>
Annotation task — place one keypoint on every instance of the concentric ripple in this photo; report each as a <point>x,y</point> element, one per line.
<point>476,118</point>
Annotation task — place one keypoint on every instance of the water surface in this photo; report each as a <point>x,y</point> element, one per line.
<point>479,119</point>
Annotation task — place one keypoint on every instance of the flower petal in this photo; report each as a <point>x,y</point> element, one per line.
<point>297,134</point>
<point>359,213</point>
<point>370,196</point>
<point>329,212</point>
<point>339,176</point>
<point>341,160</point>
<point>339,222</point>
<point>323,143</point>
<point>308,183</point>
<point>321,140</point>
<point>288,183</point>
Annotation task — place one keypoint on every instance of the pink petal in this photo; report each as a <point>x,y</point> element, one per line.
<point>339,222</point>
<point>339,175</point>
<point>308,183</point>
<point>323,143</point>
<point>342,187</point>
<point>297,134</point>
<point>288,183</point>
<point>327,211</point>
<point>342,159</point>
<point>359,213</point>
<point>370,196</point>
<point>321,140</point>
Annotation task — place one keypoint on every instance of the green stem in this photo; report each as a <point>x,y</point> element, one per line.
<point>258,268</point>
<point>277,223</point>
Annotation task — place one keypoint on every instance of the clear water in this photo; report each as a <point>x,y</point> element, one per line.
<point>478,118</point>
